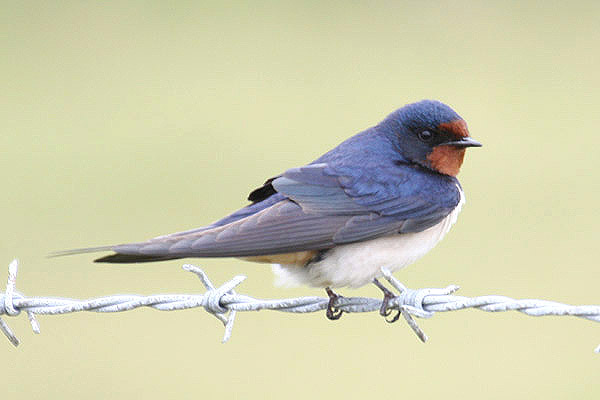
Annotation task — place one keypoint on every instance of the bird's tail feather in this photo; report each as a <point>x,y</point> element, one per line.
<point>80,251</point>
<point>117,258</point>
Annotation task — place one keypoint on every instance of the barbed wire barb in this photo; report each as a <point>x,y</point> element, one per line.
<point>224,303</point>
<point>215,297</point>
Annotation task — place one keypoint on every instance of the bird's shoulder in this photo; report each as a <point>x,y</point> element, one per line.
<point>374,184</point>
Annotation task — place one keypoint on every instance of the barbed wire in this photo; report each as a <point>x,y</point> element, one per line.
<point>223,302</point>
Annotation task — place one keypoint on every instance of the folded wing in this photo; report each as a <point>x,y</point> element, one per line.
<point>317,207</point>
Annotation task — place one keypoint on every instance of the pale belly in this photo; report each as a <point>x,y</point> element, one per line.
<point>356,264</point>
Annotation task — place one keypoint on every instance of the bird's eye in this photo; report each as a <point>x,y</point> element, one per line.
<point>425,136</point>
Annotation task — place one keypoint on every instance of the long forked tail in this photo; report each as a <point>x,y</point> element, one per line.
<point>132,258</point>
<point>117,258</point>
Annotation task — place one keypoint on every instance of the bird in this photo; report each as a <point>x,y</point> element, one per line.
<point>382,198</point>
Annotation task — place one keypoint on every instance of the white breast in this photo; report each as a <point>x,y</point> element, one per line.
<point>356,264</point>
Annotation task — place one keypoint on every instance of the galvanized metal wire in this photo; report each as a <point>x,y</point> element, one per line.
<point>224,302</point>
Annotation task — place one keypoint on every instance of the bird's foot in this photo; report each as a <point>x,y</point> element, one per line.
<point>385,311</point>
<point>332,312</point>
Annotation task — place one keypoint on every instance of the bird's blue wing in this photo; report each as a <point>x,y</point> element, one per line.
<point>319,207</point>
<point>395,192</point>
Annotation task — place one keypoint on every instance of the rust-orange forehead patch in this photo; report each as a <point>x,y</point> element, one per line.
<point>458,128</point>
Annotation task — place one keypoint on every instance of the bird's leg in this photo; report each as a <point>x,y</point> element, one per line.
<point>332,312</point>
<point>384,311</point>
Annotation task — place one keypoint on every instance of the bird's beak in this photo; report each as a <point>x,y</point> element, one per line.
<point>464,142</point>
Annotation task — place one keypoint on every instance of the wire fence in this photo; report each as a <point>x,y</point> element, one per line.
<point>223,302</point>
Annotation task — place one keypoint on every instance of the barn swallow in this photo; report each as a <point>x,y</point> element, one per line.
<point>382,198</point>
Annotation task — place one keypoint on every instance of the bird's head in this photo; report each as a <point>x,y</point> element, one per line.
<point>432,135</point>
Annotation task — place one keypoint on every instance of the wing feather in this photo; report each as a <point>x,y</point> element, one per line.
<point>317,207</point>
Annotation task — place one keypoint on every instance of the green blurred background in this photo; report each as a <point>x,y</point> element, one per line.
<point>125,120</point>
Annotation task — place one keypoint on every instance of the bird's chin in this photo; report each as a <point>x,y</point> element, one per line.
<point>446,160</point>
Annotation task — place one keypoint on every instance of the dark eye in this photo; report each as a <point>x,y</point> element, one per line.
<point>426,136</point>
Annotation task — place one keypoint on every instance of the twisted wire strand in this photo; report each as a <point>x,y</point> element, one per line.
<point>224,302</point>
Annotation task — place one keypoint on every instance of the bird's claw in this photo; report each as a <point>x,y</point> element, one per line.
<point>385,311</point>
<point>333,313</point>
